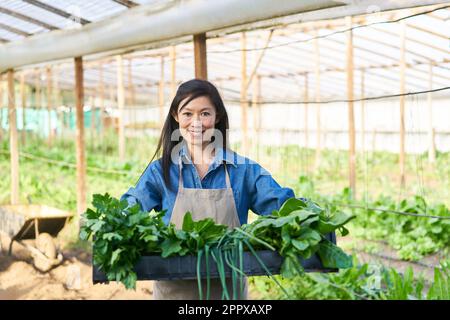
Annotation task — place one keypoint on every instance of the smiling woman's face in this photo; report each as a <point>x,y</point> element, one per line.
<point>195,118</point>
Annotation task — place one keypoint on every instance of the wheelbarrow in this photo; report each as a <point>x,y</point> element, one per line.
<point>39,222</point>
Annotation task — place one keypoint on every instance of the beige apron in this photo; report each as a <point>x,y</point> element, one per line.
<point>217,204</point>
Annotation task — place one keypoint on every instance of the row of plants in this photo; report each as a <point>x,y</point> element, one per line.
<point>123,234</point>
<point>361,282</point>
<point>413,237</point>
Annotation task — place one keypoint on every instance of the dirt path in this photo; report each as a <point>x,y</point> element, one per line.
<point>71,280</point>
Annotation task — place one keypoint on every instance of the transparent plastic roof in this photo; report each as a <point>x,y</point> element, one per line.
<point>292,57</point>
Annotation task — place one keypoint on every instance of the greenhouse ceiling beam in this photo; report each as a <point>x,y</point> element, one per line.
<point>14,30</point>
<point>429,45</point>
<point>57,11</point>
<point>148,24</point>
<point>434,33</point>
<point>29,19</point>
<point>126,3</point>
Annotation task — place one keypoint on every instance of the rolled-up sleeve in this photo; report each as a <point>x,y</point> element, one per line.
<point>146,192</point>
<point>266,194</point>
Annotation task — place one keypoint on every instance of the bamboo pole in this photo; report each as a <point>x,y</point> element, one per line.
<point>244,104</point>
<point>351,116</point>
<point>112,96</point>
<point>363,112</point>
<point>121,105</point>
<point>305,161</point>
<point>49,105</point>
<point>23,99</point>
<point>80,146</point>
<point>57,100</point>
<point>201,67</point>
<point>102,103</point>
<point>374,134</point>
<point>131,92</point>
<point>161,90</point>
<point>109,126</point>
<point>431,145</point>
<point>38,89</point>
<point>13,143</point>
<point>305,98</point>
<point>256,113</point>
<point>1,106</point>
<point>317,99</point>
<point>91,102</point>
<point>131,89</point>
<point>173,71</point>
<point>402,103</point>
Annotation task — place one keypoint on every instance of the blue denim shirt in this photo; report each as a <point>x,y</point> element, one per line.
<point>253,186</point>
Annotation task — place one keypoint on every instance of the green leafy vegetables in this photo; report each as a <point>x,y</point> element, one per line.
<point>123,234</point>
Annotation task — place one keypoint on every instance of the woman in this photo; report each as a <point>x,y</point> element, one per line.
<point>202,175</point>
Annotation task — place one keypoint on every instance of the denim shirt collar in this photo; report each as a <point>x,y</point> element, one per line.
<point>222,155</point>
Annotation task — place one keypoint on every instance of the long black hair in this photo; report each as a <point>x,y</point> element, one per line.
<point>188,90</point>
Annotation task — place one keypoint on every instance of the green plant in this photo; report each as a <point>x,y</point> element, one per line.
<point>123,234</point>
<point>440,289</point>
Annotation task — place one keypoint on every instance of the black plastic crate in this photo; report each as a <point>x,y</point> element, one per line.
<point>154,267</point>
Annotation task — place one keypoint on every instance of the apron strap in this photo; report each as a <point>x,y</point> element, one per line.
<point>227,176</point>
<point>180,179</point>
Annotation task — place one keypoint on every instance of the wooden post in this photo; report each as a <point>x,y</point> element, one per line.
<point>351,117</point>
<point>201,68</point>
<point>374,136</point>
<point>121,105</point>
<point>80,147</point>
<point>38,98</point>
<point>102,103</point>
<point>402,103</point>
<point>161,90</point>
<point>38,90</point>
<point>305,98</point>
<point>317,99</point>
<point>173,71</point>
<point>91,102</point>
<point>256,113</point>
<point>13,143</point>
<point>57,101</point>
<point>244,104</point>
<point>131,89</point>
<point>1,106</point>
<point>131,93</point>
<point>49,105</point>
<point>23,98</point>
<point>363,113</point>
<point>112,100</point>
<point>431,143</point>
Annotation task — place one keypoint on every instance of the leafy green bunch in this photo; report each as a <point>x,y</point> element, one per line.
<point>299,229</point>
<point>123,234</point>
<point>192,237</point>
